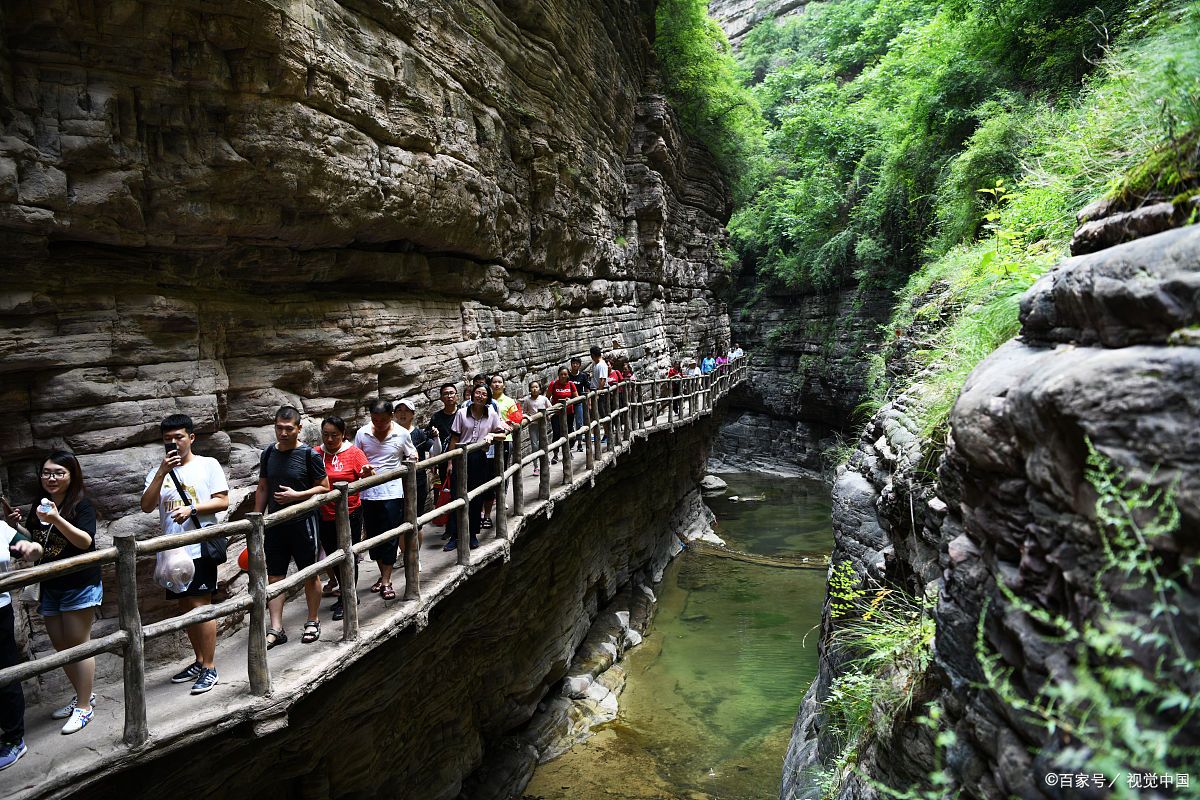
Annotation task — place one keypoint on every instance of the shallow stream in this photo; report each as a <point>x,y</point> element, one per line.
<point>713,690</point>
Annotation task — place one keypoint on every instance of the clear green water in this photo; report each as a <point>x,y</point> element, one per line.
<point>713,691</point>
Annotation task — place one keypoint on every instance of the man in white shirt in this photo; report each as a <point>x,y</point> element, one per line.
<point>386,446</point>
<point>207,494</point>
<point>736,352</point>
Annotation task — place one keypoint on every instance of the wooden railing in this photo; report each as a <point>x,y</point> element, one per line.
<point>614,415</point>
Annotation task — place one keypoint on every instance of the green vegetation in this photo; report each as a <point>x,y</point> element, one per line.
<point>888,637</point>
<point>1131,689</point>
<point>707,93</point>
<point>1134,685</point>
<point>940,147</point>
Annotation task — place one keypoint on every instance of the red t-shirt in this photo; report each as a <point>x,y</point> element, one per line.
<point>345,465</point>
<point>560,394</point>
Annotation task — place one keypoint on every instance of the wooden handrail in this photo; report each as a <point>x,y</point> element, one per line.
<point>624,417</point>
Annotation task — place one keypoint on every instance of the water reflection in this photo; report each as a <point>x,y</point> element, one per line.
<point>713,691</point>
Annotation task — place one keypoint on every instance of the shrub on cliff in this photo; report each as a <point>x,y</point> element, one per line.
<point>887,117</point>
<point>705,90</point>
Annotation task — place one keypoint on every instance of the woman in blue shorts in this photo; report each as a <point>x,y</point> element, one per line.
<point>69,602</point>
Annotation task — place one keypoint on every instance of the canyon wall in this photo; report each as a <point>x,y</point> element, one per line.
<point>738,17</point>
<point>1107,354</point>
<point>218,209</point>
<point>812,358</point>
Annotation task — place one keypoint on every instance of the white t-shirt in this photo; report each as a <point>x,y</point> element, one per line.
<point>385,455</point>
<point>600,374</point>
<point>202,477</point>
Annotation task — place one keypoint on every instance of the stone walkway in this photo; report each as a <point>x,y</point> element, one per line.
<point>176,718</point>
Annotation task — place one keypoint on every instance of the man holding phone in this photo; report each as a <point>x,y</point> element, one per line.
<point>205,494</point>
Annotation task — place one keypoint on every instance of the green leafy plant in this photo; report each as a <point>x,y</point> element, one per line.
<point>1133,686</point>
<point>887,636</point>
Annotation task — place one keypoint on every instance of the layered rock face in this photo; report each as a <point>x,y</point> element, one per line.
<point>433,704</point>
<point>738,17</point>
<point>217,210</point>
<point>1106,354</point>
<point>812,355</point>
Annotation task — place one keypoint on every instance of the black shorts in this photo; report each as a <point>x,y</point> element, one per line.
<point>204,582</point>
<point>294,540</point>
<point>380,516</point>
<point>329,531</point>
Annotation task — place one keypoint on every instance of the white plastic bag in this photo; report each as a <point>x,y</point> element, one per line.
<point>174,570</point>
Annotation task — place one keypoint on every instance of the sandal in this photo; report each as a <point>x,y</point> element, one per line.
<point>275,637</point>
<point>387,592</point>
<point>312,631</point>
<point>486,522</point>
<point>377,587</point>
<point>331,589</point>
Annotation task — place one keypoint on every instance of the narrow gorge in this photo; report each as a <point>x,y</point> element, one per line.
<point>957,243</point>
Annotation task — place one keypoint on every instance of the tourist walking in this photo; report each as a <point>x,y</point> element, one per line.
<point>288,473</point>
<point>508,410</point>
<point>406,413</point>
<point>343,462</point>
<point>63,524</point>
<point>533,404</point>
<point>707,365</point>
<point>205,493</point>
<point>12,699</point>
<point>583,384</point>
<point>387,446</point>
<point>561,390</point>
<point>475,423</point>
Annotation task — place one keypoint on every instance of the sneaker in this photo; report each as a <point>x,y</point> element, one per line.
<point>77,721</point>
<point>189,674</point>
<point>554,460</point>
<point>10,752</point>
<point>450,545</point>
<point>474,543</point>
<point>205,681</point>
<point>65,711</point>
<point>338,611</point>
<point>536,470</point>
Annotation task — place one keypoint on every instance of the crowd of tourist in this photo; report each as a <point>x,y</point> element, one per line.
<point>188,490</point>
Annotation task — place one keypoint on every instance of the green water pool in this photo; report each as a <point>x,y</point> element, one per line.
<point>713,690</point>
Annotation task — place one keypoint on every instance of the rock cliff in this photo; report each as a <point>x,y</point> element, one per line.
<point>738,17</point>
<point>812,355</point>
<point>1107,355</point>
<point>219,209</point>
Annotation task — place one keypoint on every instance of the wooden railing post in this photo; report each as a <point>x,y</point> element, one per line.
<point>464,513</point>
<point>256,650</point>
<point>412,538</point>
<point>589,453</point>
<point>610,403</point>
<point>502,493</point>
<point>544,437</point>
<point>654,399</point>
<point>568,463</point>
<point>598,433</point>
<point>136,729</point>
<point>346,570</point>
<point>518,484</point>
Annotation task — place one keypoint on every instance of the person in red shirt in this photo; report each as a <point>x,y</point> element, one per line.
<point>343,462</point>
<point>674,375</point>
<point>559,391</point>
